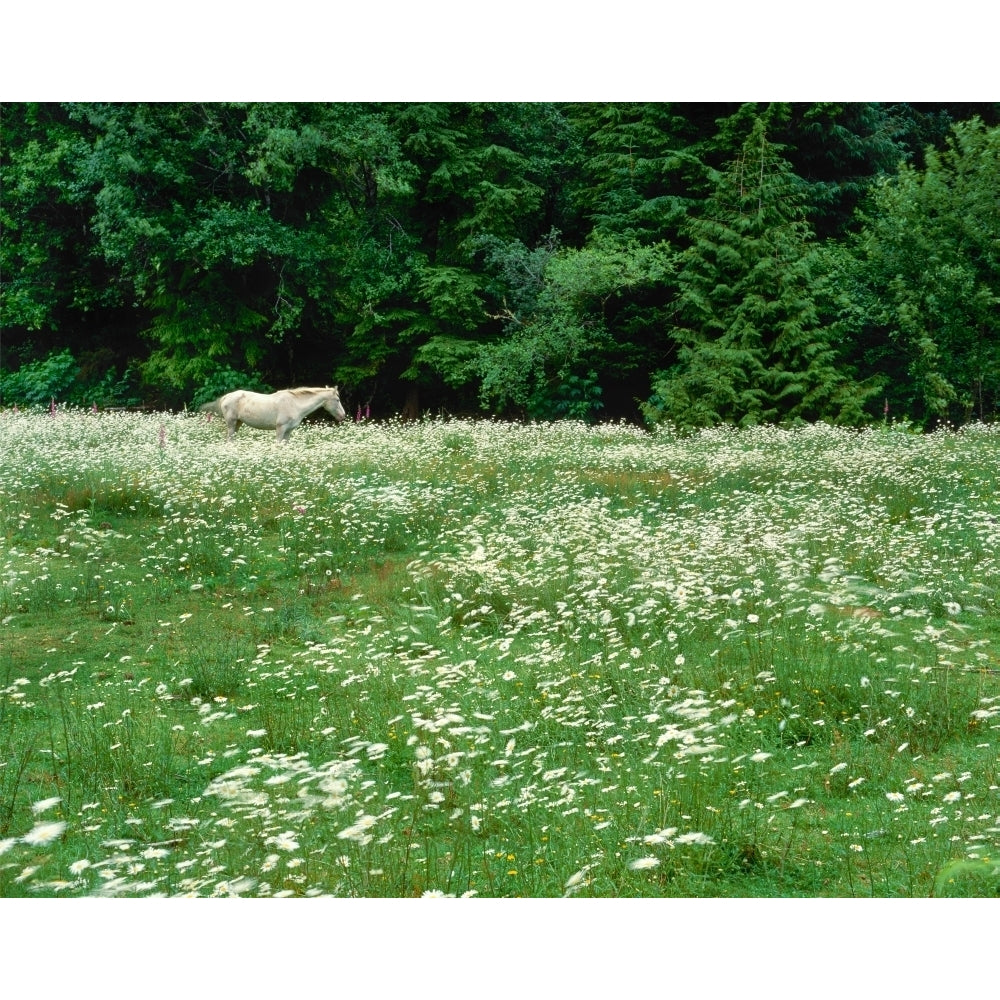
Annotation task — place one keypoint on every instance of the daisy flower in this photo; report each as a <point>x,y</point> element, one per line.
<point>40,807</point>
<point>284,841</point>
<point>44,833</point>
<point>641,864</point>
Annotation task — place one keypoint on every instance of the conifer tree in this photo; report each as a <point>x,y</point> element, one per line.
<point>751,342</point>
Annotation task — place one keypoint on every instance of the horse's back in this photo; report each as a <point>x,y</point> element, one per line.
<point>252,408</point>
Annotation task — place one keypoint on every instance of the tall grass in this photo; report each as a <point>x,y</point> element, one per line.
<point>474,658</point>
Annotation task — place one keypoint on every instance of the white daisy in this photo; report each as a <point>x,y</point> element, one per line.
<point>40,807</point>
<point>641,864</point>
<point>44,833</point>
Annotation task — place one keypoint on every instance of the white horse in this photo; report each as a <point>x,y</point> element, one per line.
<point>281,411</point>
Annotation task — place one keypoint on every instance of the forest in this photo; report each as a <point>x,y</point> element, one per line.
<point>689,264</point>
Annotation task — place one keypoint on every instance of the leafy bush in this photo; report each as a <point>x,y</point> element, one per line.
<point>224,379</point>
<point>38,382</point>
<point>61,377</point>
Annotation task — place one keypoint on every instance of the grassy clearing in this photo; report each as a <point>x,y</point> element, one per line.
<point>480,658</point>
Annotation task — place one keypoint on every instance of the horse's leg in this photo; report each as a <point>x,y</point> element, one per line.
<point>285,429</point>
<point>233,426</point>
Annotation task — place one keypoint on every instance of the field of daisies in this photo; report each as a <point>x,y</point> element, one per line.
<point>456,658</point>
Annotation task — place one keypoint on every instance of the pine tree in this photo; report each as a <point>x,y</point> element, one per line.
<point>752,345</point>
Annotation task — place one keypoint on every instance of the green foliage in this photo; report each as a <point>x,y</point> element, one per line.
<point>220,379</point>
<point>554,308</point>
<point>60,377</point>
<point>925,276</point>
<point>39,382</point>
<point>519,253</point>
<point>752,343</point>
<point>451,297</point>
<point>642,167</point>
<point>453,359</point>
<point>836,149</point>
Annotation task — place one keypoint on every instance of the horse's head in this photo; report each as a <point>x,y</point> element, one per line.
<point>333,406</point>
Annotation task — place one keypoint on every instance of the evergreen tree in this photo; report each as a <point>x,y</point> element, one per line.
<point>752,346</point>
<point>402,247</point>
<point>642,166</point>
<point>483,173</point>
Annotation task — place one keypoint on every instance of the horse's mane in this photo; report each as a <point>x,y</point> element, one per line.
<point>305,390</point>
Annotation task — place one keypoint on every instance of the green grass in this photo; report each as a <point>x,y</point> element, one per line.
<point>459,657</point>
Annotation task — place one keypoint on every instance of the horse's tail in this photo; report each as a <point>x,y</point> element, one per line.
<point>212,407</point>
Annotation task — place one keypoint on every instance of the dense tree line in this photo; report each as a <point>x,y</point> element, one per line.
<point>688,263</point>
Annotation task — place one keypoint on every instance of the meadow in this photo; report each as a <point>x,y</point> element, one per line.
<point>458,658</point>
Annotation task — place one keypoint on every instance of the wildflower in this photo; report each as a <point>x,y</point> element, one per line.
<point>660,837</point>
<point>760,756</point>
<point>6,845</point>
<point>44,833</point>
<point>358,831</point>
<point>838,767</point>
<point>857,848</point>
<point>284,841</point>
<point>641,864</point>
<point>433,894</point>
<point>895,796</point>
<point>333,786</point>
<point>952,797</point>
<point>695,837</point>
<point>78,867</point>
<point>40,807</point>
<point>238,885</point>
<point>509,676</point>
